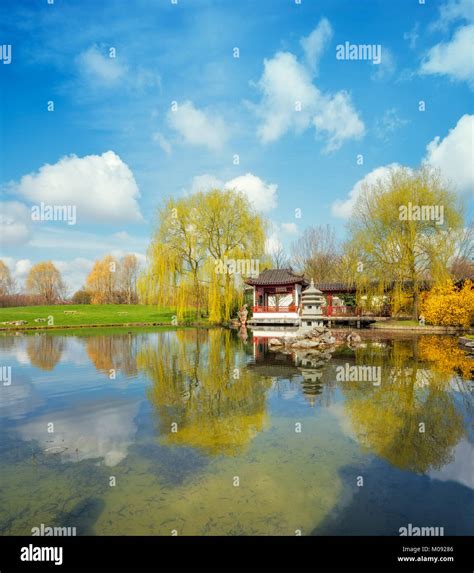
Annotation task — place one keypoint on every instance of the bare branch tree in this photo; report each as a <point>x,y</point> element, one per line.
<point>317,253</point>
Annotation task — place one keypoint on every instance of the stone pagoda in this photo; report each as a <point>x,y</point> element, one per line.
<point>312,300</point>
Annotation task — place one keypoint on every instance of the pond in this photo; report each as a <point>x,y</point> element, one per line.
<point>205,432</point>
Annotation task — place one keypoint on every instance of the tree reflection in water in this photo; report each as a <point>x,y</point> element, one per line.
<point>203,386</point>
<point>44,351</point>
<point>413,396</point>
<point>117,353</point>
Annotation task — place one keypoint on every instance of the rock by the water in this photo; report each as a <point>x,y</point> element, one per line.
<point>353,338</point>
<point>307,339</point>
<point>305,344</point>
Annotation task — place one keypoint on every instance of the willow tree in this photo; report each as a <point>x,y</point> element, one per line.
<point>175,258</point>
<point>232,231</point>
<point>194,248</point>
<point>401,228</point>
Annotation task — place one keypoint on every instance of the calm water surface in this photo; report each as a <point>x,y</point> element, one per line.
<point>177,418</point>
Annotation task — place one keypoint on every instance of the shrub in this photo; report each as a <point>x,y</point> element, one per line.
<point>82,296</point>
<point>448,306</point>
<point>12,300</point>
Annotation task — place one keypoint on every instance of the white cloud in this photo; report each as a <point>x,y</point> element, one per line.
<point>412,36</point>
<point>343,207</point>
<point>388,124</point>
<point>262,195</point>
<point>453,58</point>
<point>314,44</point>
<point>272,244</point>
<point>198,127</point>
<point>162,142</point>
<point>454,10</point>
<point>74,272</point>
<point>283,83</point>
<point>454,155</point>
<point>96,67</point>
<point>15,220</point>
<point>121,236</point>
<point>119,253</point>
<point>387,65</point>
<point>290,102</point>
<point>290,228</point>
<point>105,431</point>
<point>22,268</point>
<point>460,468</point>
<point>102,187</point>
<point>205,182</point>
<point>339,120</point>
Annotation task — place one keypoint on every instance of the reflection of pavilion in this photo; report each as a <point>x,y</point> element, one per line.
<point>306,366</point>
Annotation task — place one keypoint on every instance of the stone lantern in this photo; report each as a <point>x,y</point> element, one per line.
<point>312,300</point>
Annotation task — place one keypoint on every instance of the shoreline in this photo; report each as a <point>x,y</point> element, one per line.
<point>108,325</point>
<point>380,327</point>
<point>423,329</point>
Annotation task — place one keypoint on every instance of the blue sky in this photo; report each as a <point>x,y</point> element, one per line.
<point>114,148</point>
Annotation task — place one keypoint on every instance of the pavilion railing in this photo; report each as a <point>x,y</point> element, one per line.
<point>290,308</point>
<point>340,311</point>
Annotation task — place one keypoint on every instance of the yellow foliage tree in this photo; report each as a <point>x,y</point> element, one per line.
<point>198,243</point>
<point>102,281</point>
<point>7,283</point>
<point>45,279</point>
<point>445,305</point>
<point>394,242</point>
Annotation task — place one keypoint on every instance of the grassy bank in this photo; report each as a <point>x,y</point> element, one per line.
<point>85,315</point>
<point>414,326</point>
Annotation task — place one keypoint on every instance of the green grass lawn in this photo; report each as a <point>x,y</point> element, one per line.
<point>87,314</point>
<point>404,322</point>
